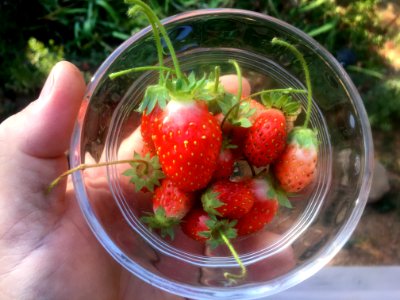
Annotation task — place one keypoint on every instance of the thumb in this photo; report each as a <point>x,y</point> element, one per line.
<point>45,126</point>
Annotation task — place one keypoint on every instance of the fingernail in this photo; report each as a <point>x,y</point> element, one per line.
<point>48,86</point>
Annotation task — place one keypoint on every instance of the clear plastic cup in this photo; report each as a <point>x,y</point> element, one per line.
<point>299,241</point>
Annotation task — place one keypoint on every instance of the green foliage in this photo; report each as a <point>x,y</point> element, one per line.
<point>89,30</point>
<point>30,70</point>
<point>86,26</point>
<point>383,104</point>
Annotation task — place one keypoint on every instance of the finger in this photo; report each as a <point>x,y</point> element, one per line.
<point>46,125</point>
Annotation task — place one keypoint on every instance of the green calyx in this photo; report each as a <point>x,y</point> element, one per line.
<point>189,88</point>
<point>154,95</point>
<point>235,110</point>
<point>211,202</point>
<point>245,111</point>
<point>305,138</point>
<point>145,172</point>
<point>238,111</point>
<point>181,89</point>
<point>275,192</point>
<point>282,101</point>
<point>216,229</point>
<point>226,144</point>
<point>160,221</point>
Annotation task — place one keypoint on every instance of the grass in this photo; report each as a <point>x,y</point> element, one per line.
<point>86,31</point>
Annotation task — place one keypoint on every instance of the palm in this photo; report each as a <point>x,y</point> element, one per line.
<point>57,255</point>
<point>47,250</point>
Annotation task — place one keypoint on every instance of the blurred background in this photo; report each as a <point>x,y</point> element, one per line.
<point>364,36</point>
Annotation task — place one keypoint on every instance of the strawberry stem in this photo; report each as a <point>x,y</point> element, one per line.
<point>152,17</point>
<point>217,71</point>
<point>156,34</point>
<point>139,69</point>
<point>239,91</point>
<point>300,57</point>
<point>286,90</point>
<point>88,166</point>
<point>232,277</point>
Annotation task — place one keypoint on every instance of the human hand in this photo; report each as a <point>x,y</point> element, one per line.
<point>46,249</point>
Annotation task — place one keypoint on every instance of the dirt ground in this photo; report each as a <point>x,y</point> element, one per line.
<point>376,240</point>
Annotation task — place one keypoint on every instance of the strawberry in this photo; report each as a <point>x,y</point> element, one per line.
<point>195,223</point>
<point>225,164</point>
<point>170,205</point>
<point>295,168</point>
<point>266,139</point>
<point>148,127</point>
<point>202,227</point>
<point>264,209</point>
<point>238,133</point>
<point>206,228</point>
<point>228,199</point>
<point>250,110</point>
<point>225,161</point>
<point>188,141</point>
<point>230,82</point>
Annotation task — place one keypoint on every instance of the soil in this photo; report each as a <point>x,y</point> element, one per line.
<point>376,240</point>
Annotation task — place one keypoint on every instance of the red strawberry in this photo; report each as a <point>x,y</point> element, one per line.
<point>170,205</point>
<point>148,127</point>
<point>202,227</point>
<point>195,223</point>
<point>188,141</point>
<point>250,110</point>
<point>225,163</point>
<point>238,134</point>
<point>228,199</point>
<point>264,209</point>
<point>266,139</point>
<point>295,168</point>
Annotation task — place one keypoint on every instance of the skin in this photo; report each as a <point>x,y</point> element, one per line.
<point>47,250</point>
